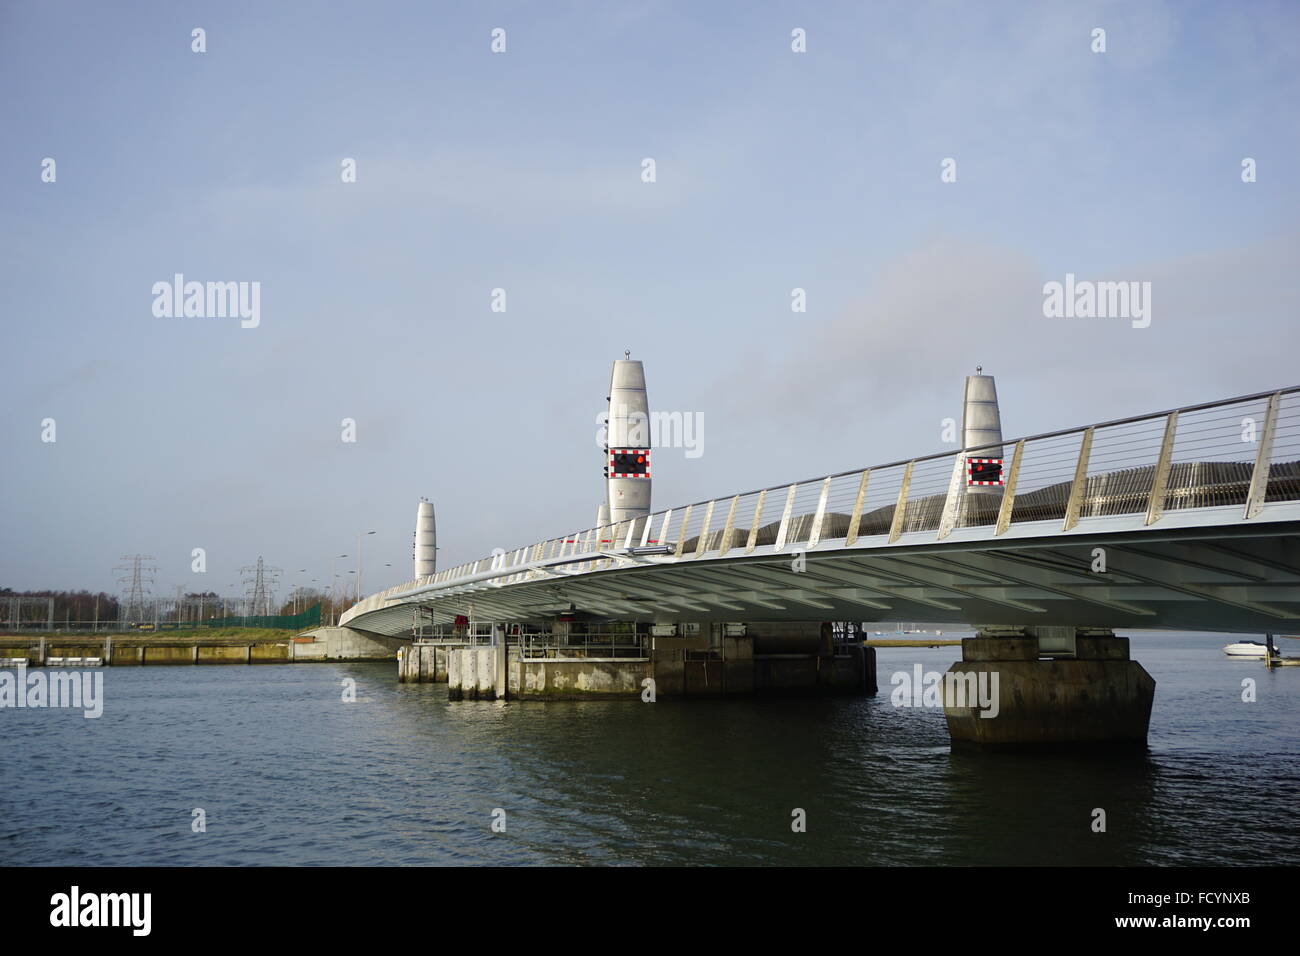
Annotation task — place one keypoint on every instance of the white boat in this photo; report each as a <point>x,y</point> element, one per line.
<point>1246,649</point>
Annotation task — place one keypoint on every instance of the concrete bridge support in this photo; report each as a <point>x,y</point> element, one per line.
<point>424,663</point>
<point>1055,688</point>
<point>768,658</point>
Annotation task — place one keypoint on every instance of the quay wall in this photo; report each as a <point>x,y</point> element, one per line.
<point>321,644</point>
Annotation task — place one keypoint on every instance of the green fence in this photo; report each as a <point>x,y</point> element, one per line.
<point>285,622</point>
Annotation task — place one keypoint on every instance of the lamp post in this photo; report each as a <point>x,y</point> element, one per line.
<point>297,590</point>
<point>334,579</point>
<point>360,535</point>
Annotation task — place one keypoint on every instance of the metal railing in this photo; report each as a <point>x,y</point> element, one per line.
<point>1242,451</point>
<point>476,632</point>
<point>597,645</point>
<point>537,643</point>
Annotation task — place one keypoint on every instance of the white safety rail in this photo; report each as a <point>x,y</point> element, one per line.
<point>1243,452</point>
<point>593,645</point>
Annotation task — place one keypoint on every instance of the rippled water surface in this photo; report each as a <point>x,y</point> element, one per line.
<point>289,774</point>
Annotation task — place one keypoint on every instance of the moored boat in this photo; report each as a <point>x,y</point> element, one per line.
<point>1246,649</point>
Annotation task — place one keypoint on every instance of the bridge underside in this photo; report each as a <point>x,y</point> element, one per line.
<point>1203,575</point>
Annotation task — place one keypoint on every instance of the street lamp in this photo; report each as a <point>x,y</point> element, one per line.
<point>297,590</point>
<point>334,580</point>
<point>360,535</point>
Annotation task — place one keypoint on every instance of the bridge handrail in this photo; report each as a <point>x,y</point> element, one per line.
<point>1012,441</point>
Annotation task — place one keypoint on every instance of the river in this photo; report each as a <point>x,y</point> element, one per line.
<point>286,772</point>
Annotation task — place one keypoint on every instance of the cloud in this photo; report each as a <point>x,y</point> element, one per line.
<point>532,188</point>
<point>1222,324</point>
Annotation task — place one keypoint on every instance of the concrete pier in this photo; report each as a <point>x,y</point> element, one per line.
<point>769,658</point>
<point>424,663</point>
<point>1087,694</point>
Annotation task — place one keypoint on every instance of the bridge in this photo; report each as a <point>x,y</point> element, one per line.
<point>1184,519</point>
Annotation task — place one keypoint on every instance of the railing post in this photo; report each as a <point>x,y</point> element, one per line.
<point>856,518</point>
<point>753,526</point>
<point>1009,491</point>
<point>816,534</point>
<point>1080,480</point>
<point>900,507</point>
<point>686,524</point>
<point>663,528</point>
<point>1258,493</point>
<point>704,531</point>
<point>1160,479</point>
<point>952,503</point>
<point>729,528</point>
<point>785,518</point>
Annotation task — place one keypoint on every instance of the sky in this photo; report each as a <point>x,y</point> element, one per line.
<point>523,171</point>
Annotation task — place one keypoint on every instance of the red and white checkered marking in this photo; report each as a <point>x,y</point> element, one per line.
<point>628,451</point>
<point>981,461</point>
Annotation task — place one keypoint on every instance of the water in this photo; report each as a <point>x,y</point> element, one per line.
<point>289,774</point>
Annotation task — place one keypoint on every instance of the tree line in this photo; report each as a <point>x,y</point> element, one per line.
<point>68,605</point>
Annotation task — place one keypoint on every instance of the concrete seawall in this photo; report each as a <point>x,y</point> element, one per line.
<point>319,645</point>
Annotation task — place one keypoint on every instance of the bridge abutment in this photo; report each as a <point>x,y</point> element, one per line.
<point>1042,699</point>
